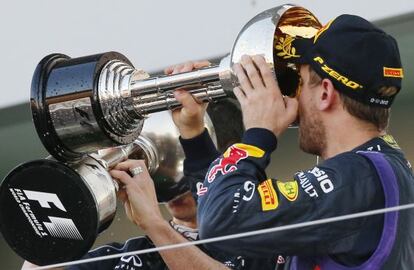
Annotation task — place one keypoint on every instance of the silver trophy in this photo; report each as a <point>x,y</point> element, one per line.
<point>53,209</point>
<point>81,105</point>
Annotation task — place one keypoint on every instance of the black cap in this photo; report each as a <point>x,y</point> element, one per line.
<point>355,55</point>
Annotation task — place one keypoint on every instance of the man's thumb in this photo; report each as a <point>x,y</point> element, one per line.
<point>291,108</point>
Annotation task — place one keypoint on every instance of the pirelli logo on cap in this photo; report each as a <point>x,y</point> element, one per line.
<point>393,72</point>
<point>268,195</point>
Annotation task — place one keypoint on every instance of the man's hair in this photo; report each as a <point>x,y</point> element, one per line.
<point>377,116</point>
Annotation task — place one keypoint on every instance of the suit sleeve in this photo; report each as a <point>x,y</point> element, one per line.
<point>199,152</point>
<point>240,198</point>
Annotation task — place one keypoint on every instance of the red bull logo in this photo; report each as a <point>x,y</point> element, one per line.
<point>231,157</point>
<point>228,163</point>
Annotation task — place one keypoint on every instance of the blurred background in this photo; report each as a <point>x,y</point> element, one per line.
<point>153,35</point>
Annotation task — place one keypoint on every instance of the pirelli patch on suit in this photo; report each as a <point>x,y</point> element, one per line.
<point>288,189</point>
<point>268,195</point>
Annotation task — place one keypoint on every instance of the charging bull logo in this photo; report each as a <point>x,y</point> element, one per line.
<point>231,157</point>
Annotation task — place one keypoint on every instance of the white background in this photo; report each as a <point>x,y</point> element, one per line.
<point>152,34</point>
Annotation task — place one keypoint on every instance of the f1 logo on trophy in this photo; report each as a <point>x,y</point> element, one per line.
<point>89,113</point>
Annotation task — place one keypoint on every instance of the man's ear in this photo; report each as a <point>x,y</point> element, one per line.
<point>328,96</point>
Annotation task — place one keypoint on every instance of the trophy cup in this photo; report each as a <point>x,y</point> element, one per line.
<point>53,209</point>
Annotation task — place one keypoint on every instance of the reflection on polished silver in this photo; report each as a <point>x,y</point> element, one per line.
<point>81,105</point>
<point>135,171</point>
<point>159,147</point>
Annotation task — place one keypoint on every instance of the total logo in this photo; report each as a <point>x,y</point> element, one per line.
<point>55,226</point>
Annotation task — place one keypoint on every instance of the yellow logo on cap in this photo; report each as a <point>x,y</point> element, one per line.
<point>289,189</point>
<point>285,48</point>
<point>336,75</point>
<point>268,195</point>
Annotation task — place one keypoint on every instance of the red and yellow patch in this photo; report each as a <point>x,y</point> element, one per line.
<point>393,72</point>
<point>268,195</point>
<point>231,158</point>
<point>252,151</point>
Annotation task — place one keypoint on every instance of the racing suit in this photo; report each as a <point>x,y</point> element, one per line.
<point>154,260</point>
<point>236,196</point>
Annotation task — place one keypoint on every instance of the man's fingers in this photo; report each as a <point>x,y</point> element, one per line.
<point>168,70</point>
<point>202,64</point>
<point>186,67</point>
<point>129,212</point>
<point>241,97</point>
<point>186,99</point>
<point>122,195</point>
<point>129,164</point>
<point>252,72</point>
<point>291,108</point>
<point>266,73</point>
<point>176,69</point>
<point>243,79</point>
<point>121,176</point>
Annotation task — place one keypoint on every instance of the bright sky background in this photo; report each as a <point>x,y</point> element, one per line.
<point>152,34</point>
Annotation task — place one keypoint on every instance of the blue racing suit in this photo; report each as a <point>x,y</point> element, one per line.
<point>237,196</point>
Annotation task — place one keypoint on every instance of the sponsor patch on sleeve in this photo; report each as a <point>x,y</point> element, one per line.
<point>268,195</point>
<point>252,151</point>
<point>227,163</point>
<point>289,189</point>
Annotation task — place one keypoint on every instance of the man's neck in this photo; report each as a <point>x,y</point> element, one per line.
<point>345,137</point>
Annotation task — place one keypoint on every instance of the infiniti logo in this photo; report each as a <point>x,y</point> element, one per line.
<point>137,262</point>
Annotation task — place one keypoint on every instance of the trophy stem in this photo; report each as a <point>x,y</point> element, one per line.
<point>117,155</point>
<point>156,94</point>
<point>128,95</point>
<point>150,103</point>
<point>171,82</point>
<point>146,148</point>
